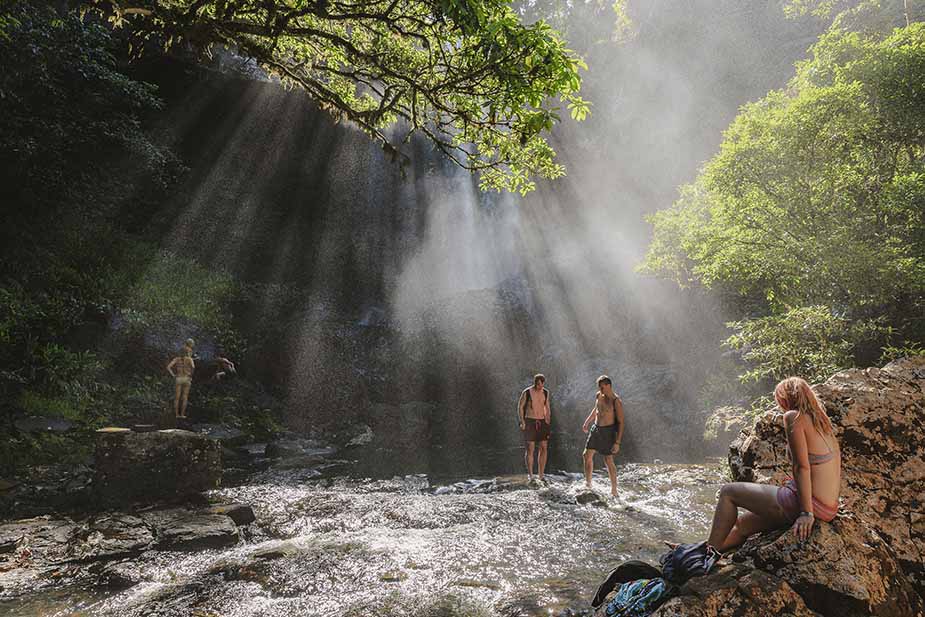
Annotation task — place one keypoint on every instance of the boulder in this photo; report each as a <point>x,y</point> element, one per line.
<point>187,530</point>
<point>363,439</point>
<point>43,424</point>
<point>879,418</point>
<point>590,497</point>
<point>845,569</point>
<point>722,426</point>
<point>241,514</point>
<point>161,465</point>
<point>736,591</point>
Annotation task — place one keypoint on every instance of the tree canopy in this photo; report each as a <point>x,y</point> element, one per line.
<point>468,74</point>
<point>815,202</point>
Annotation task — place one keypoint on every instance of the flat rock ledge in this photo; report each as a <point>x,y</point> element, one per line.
<point>35,552</point>
<point>167,465</point>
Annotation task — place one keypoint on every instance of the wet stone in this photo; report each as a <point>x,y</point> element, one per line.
<point>590,497</point>
<point>240,513</point>
<point>181,529</point>
<point>110,536</point>
<point>283,449</point>
<point>42,538</point>
<point>120,575</point>
<point>393,576</point>
<point>295,462</point>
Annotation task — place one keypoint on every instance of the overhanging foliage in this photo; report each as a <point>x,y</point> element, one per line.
<point>468,74</point>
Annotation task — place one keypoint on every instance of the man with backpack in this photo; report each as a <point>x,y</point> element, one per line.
<point>533,411</point>
<point>606,426</point>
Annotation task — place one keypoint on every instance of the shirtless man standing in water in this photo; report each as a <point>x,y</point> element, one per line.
<point>533,411</point>
<point>181,369</point>
<point>606,423</point>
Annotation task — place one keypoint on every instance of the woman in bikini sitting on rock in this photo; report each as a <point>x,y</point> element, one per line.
<point>812,492</point>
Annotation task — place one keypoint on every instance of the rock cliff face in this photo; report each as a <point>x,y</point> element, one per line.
<point>879,418</point>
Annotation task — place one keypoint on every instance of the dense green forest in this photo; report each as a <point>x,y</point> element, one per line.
<point>808,222</point>
<point>83,279</point>
<point>809,219</point>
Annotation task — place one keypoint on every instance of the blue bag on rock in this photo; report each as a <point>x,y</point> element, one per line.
<point>638,598</point>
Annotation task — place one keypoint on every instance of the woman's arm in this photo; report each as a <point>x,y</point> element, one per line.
<point>796,438</point>
<point>170,367</point>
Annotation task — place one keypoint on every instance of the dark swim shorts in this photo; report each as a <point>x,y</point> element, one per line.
<point>536,430</point>
<point>602,438</point>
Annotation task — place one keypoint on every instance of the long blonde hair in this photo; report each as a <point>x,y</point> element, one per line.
<point>795,393</point>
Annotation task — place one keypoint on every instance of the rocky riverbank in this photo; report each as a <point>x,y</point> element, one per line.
<point>320,541</point>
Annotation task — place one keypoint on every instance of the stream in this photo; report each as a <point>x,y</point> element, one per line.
<point>328,544</point>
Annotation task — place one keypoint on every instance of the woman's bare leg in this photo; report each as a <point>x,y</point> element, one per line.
<point>747,524</point>
<point>759,499</point>
<point>183,402</point>
<point>176,400</point>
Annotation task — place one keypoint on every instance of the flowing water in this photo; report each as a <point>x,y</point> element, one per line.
<point>327,545</point>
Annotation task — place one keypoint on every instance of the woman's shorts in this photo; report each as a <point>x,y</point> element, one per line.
<point>789,501</point>
<point>536,430</point>
<point>602,438</point>
<point>183,380</point>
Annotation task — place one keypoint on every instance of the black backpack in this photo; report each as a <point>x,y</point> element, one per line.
<point>627,571</point>
<point>686,561</point>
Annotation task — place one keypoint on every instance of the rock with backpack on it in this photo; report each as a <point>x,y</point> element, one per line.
<point>638,589</point>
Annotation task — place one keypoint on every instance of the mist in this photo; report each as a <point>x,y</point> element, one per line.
<point>422,306</point>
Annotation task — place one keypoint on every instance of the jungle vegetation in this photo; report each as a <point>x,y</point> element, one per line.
<point>809,219</point>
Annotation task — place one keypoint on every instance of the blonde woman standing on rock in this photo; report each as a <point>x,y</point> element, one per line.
<point>811,493</point>
<point>181,369</point>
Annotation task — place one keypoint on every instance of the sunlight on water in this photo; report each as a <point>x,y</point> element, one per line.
<point>343,546</point>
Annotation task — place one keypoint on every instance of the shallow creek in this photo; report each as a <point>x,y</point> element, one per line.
<point>412,545</point>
